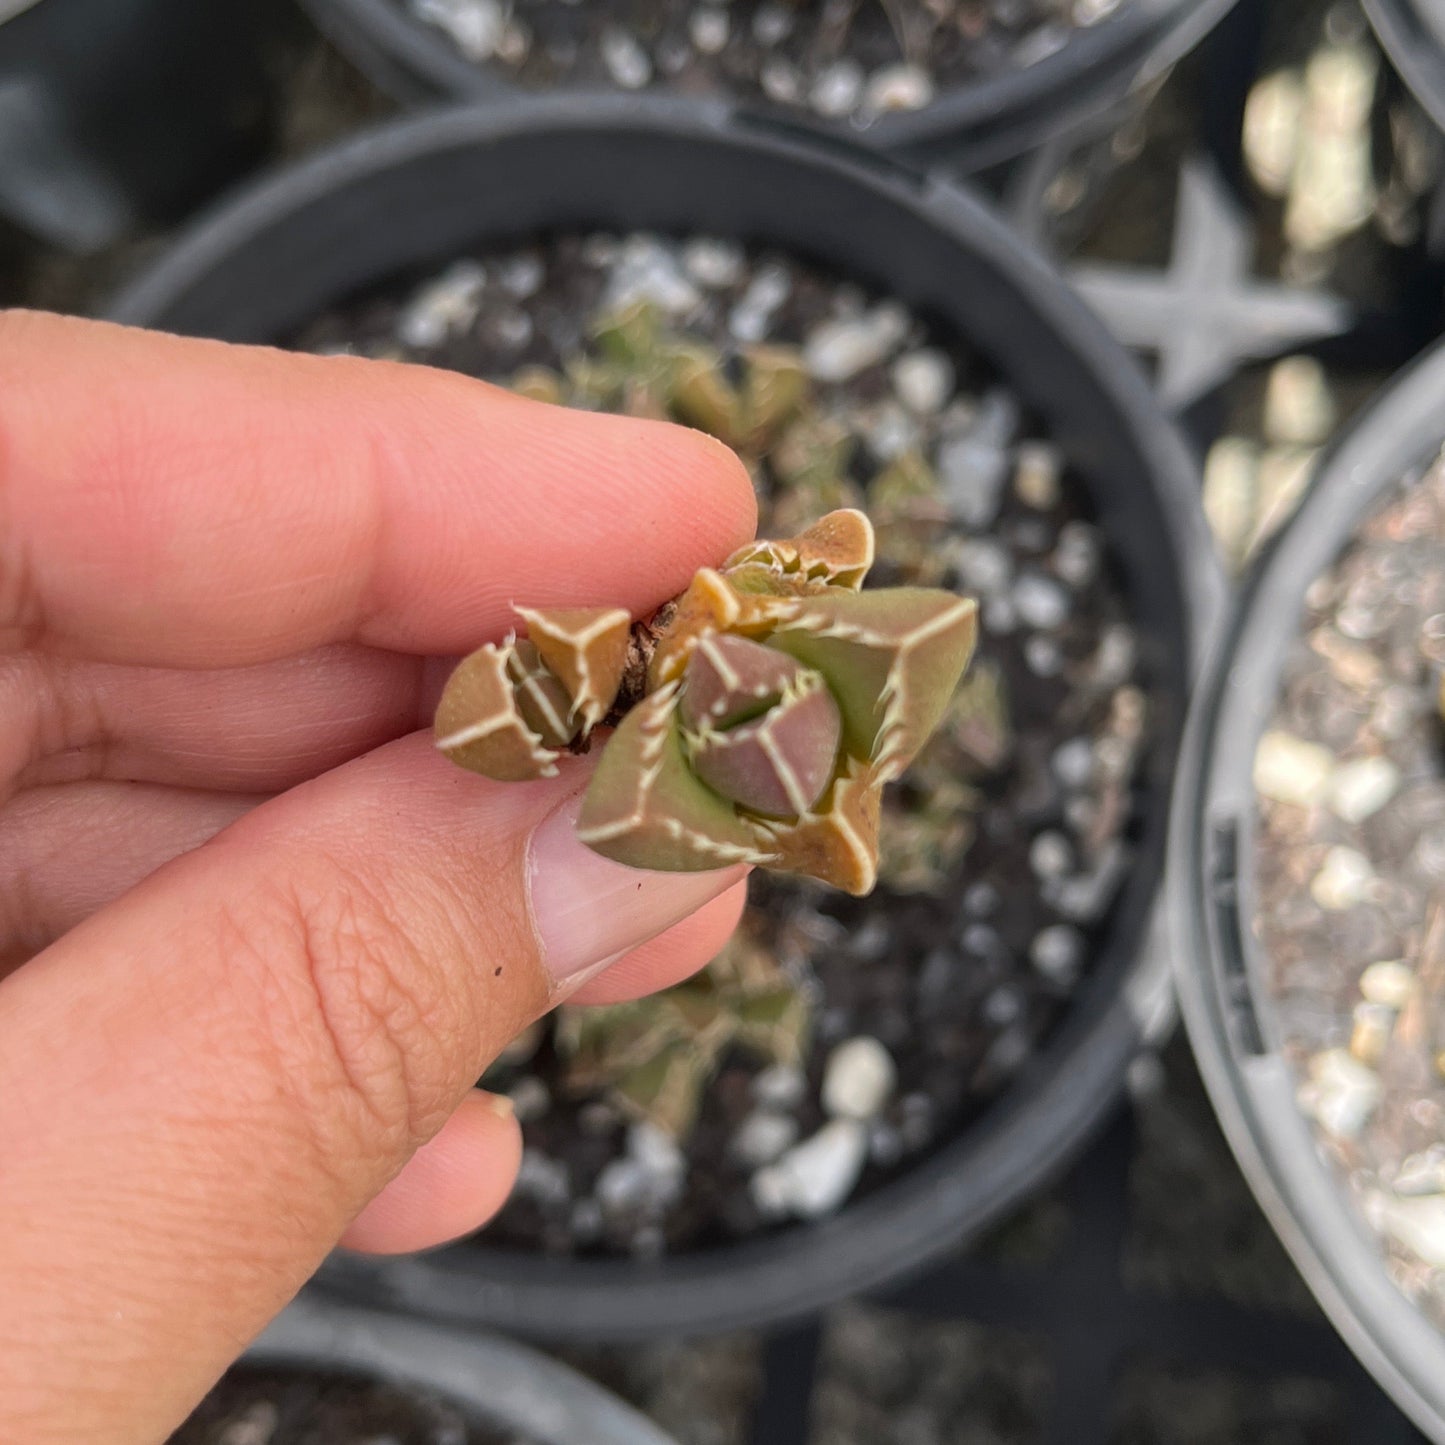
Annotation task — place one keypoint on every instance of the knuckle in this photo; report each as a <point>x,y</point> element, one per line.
<point>358,1020</point>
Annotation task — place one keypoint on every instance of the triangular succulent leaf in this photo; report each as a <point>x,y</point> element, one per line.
<point>892,658</point>
<point>647,808</point>
<point>479,724</point>
<point>586,648</point>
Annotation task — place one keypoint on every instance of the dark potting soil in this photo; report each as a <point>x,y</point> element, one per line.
<point>848,60</point>
<point>1350,875</point>
<point>295,1407</point>
<point>1005,845</point>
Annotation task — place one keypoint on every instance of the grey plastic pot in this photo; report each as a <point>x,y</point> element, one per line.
<point>492,1381</point>
<point>1412,33</point>
<point>416,193</point>
<point>1220,970</point>
<point>968,128</point>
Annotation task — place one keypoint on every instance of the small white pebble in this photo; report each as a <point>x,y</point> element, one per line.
<point>762,1137</point>
<point>1288,769</point>
<point>923,380</point>
<point>780,1086</point>
<point>1341,1093</point>
<point>897,87</point>
<point>1359,789</point>
<point>858,1079</point>
<point>1050,855</point>
<point>837,89</point>
<point>710,28</point>
<point>1390,983</point>
<point>1058,954</point>
<point>1343,881</point>
<point>1036,475</point>
<point>626,61</point>
<point>1041,602</point>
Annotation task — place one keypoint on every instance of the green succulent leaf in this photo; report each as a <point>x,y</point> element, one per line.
<point>892,659</point>
<point>647,808</point>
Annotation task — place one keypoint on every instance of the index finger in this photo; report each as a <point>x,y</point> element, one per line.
<point>179,502</point>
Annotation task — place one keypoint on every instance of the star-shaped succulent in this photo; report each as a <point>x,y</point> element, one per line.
<point>758,716</point>
<point>653,1057</point>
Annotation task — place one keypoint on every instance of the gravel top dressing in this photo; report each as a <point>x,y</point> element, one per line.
<point>1004,846</point>
<point>850,60</point>
<point>282,1407</point>
<point>1351,874</point>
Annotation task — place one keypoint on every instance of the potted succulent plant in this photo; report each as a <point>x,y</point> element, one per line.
<point>966,84</point>
<point>1308,876</point>
<point>863,1080</point>
<point>324,1371</point>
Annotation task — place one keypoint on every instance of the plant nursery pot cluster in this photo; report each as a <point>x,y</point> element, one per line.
<point>1307,886</point>
<point>334,1373</point>
<point>994,1022</point>
<point>970,92</point>
<point>116,114</point>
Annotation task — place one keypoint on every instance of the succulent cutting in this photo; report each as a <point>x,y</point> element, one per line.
<point>757,716</point>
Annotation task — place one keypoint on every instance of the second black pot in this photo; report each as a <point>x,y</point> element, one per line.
<point>970,127</point>
<point>425,190</point>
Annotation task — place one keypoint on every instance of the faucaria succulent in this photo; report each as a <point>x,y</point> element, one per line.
<point>654,1057</point>
<point>758,716</point>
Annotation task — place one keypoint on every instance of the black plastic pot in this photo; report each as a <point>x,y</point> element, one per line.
<point>1220,970</point>
<point>115,113</point>
<point>417,192</point>
<point>1412,33</point>
<point>492,1381</point>
<point>968,128</point>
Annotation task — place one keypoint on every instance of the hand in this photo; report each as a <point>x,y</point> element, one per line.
<point>257,937</point>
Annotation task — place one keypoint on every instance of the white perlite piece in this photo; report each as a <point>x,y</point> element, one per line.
<point>475,26</point>
<point>897,87</point>
<point>1341,1093</point>
<point>443,307</point>
<point>1359,789</point>
<point>839,350</point>
<point>1287,769</point>
<point>1419,1224</point>
<point>709,29</point>
<point>1344,880</point>
<point>858,1079</point>
<point>762,1137</point>
<point>817,1176</point>
<point>837,89</point>
<point>779,1086</point>
<point>1389,983</point>
<point>923,380</point>
<point>627,62</point>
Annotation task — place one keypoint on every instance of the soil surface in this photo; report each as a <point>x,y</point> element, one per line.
<point>276,1407</point>
<point>843,60</point>
<point>1351,873</point>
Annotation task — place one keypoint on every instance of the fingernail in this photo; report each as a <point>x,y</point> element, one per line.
<point>501,1105</point>
<point>588,911</point>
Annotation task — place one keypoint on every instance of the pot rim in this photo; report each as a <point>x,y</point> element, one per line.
<point>1210,887</point>
<point>495,1381</point>
<point>968,127</point>
<point>1031,1130</point>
